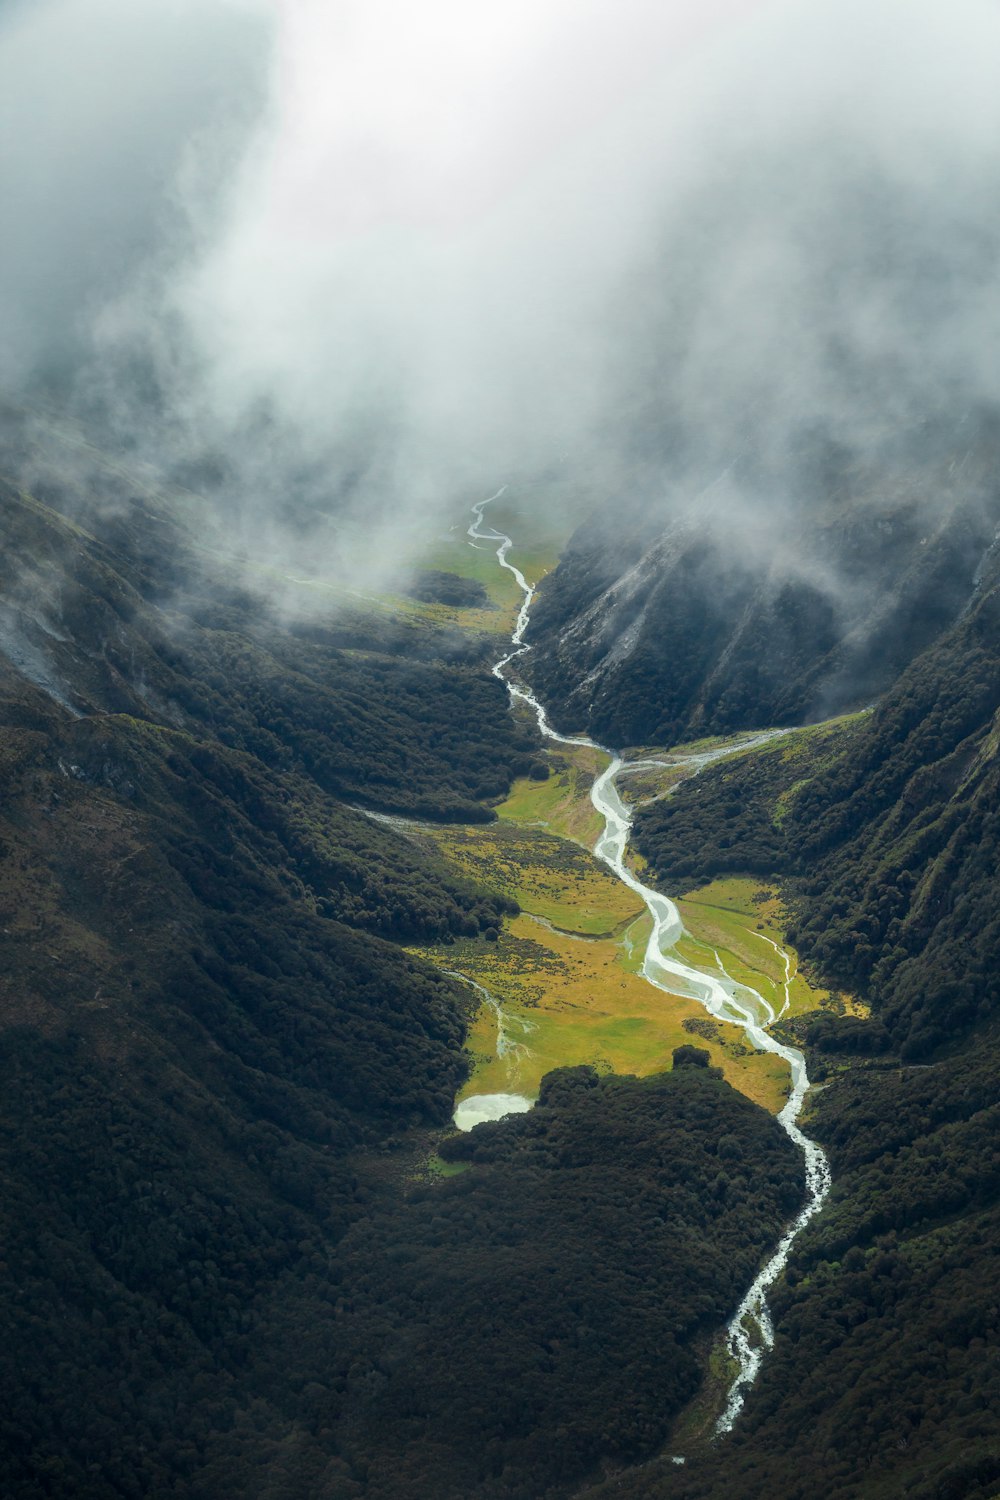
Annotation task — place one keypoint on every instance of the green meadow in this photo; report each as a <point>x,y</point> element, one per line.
<point>566,971</point>
<point>561,804</point>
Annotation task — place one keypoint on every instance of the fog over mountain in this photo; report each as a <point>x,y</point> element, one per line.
<point>333,264</point>
<point>106,111</point>
<point>287,889</point>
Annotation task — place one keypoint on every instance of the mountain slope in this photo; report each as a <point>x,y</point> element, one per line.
<point>226,1262</point>
<point>203,1022</point>
<point>887,825</point>
<point>883,830</point>
<point>667,620</point>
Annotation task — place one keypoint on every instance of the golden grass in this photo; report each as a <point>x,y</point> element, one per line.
<point>569,1000</point>
<point>549,877</point>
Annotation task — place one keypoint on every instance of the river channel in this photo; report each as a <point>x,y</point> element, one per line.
<point>750,1333</point>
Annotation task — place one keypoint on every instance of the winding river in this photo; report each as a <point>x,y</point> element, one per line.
<point>750,1333</point>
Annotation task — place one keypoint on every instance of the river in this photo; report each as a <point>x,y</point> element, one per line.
<point>749,1333</point>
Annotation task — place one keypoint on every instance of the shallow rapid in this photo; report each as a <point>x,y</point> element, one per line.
<point>750,1333</point>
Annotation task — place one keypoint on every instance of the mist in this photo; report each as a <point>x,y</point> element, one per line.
<point>336,268</point>
<point>103,109</point>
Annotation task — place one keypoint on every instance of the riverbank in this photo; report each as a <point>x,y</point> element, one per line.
<point>725,998</point>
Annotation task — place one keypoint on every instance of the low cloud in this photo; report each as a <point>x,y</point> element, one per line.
<point>101,103</point>
<point>339,265</point>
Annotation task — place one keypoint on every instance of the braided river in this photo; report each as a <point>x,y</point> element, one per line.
<point>749,1333</point>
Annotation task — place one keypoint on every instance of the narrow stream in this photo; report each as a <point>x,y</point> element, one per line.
<point>479,1107</point>
<point>750,1333</point>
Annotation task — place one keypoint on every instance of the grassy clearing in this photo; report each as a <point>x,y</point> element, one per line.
<point>576,995</point>
<point>567,1000</point>
<point>540,530</point>
<point>562,804</point>
<point>637,788</point>
<point>742,919</point>
<point>452,552</point>
<point>537,545</point>
<point>566,972</point>
<point>549,877</point>
<point>437,1167</point>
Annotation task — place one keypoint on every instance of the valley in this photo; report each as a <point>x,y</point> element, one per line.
<point>726,996</point>
<point>567,972</point>
<point>500,751</point>
<point>291,960</point>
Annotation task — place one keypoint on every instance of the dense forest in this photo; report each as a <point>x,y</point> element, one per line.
<point>509,1328</point>
<point>882,1381</point>
<point>228,1267</point>
<point>883,832</point>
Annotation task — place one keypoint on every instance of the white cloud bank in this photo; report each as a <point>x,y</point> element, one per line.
<point>443,244</point>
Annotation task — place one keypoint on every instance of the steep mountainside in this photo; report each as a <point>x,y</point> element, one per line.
<point>203,1022</point>
<point>888,826</point>
<point>228,1270</point>
<point>669,620</point>
<point>884,830</point>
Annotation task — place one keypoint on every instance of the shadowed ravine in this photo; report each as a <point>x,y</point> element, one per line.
<point>750,1332</point>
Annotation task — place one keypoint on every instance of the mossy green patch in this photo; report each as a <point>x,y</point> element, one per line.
<point>569,1000</point>
<point>566,973</point>
<point>549,877</point>
<point>692,1432</point>
<point>438,1167</point>
<point>743,921</point>
<point>649,783</point>
<point>540,530</point>
<point>561,804</point>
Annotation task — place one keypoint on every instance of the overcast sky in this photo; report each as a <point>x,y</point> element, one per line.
<point>104,106</point>
<point>377,252</point>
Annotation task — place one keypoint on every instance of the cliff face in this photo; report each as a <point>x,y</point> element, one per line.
<point>665,623</point>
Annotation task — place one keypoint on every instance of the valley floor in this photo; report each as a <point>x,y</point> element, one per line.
<point>565,973</point>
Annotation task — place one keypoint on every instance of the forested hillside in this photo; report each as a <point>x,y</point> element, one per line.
<point>887,824</point>
<point>882,829</point>
<point>228,1268</point>
<point>882,1381</point>
<point>508,1330</point>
